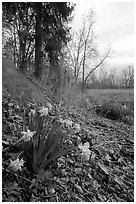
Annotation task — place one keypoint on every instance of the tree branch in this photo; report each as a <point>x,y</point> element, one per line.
<point>107,54</point>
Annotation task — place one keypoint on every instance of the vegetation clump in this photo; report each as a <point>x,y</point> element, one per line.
<point>45,141</point>
<point>113,110</point>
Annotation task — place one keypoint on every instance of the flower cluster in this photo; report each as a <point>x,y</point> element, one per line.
<point>85,152</point>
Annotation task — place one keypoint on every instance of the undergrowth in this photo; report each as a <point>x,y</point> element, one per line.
<point>113,110</point>
<point>17,86</point>
<point>115,105</point>
<point>39,164</point>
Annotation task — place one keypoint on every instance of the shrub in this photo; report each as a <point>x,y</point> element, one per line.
<point>112,110</point>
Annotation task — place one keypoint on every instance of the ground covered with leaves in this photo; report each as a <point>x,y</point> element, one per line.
<point>106,176</point>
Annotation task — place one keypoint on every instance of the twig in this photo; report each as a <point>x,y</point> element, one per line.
<point>57,198</point>
<point>63,187</point>
<point>18,176</point>
<point>87,198</point>
<point>49,196</point>
<point>5,149</point>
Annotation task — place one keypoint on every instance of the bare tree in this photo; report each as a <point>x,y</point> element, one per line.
<point>128,77</point>
<point>83,50</point>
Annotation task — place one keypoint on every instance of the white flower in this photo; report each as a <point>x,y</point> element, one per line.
<point>61,121</point>
<point>85,152</point>
<point>78,140</point>
<point>27,135</point>
<point>49,106</point>
<point>86,145</point>
<point>33,111</point>
<point>44,111</point>
<point>16,164</point>
<point>68,123</point>
<point>77,127</point>
<point>17,106</point>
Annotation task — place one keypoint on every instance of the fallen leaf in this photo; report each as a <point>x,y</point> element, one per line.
<point>108,158</point>
<point>5,142</point>
<point>63,172</point>
<point>118,181</point>
<point>93,155</point>
<point>89,175</point>
<point>44,175</point>
<point>10,104</point>
<point>33,182</point>
<point>104,168</point>
<point>78,170</point>
<point>78,188</point>
<point>51,190</point>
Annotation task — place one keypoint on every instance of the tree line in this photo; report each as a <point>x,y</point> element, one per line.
<point>38,37</point>
<point>34,32</point>
<point>113,79</point>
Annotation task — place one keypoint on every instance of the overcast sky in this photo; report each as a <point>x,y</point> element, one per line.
<point>114,27</point>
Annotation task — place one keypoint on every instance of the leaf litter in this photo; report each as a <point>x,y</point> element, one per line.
<point>108,175</point>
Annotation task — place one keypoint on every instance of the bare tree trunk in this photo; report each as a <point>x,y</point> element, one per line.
<point>22,39</point>
<point>84,56</point>
<point>23,58</point>
<point>38,40</point>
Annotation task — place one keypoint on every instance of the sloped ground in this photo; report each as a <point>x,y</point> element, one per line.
<point>108,176</point>
<point>18,87</point>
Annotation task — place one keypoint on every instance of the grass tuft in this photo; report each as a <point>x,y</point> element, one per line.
<point>15,84</point>
<point>113,110</point>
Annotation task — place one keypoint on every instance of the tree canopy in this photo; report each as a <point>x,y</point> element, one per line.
<point>37,29</point>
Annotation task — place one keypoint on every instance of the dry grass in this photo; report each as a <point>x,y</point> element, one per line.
<point>100,95</point>
<point>111,103</point>
<point>70,93</point>
<point>18,86</point>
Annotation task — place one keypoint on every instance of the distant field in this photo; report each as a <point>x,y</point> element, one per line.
<point>100,96</point>
<point>120,95</point>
